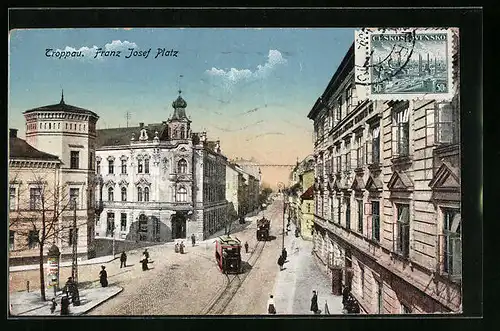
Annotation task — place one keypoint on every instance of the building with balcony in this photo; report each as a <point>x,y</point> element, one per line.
<point>160,182</point>
<point>387,197</point>
<point>50,170</point>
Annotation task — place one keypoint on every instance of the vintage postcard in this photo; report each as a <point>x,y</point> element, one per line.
<point>256,171</point>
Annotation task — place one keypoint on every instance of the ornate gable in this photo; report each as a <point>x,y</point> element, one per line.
<point>400,182</point>
<point>110,183</point>
<point>357,184</point>
<point>123,182</point>
<point>143,181</point>
<point>374,184</point>
<point>446,178</point>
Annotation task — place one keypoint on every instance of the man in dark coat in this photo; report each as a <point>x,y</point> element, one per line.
<point>103,277</point>
<point>193,239</point>
<point>345,295</point>
<point>146,253</point>
<point>123,260</point>
<point>246,247</point>
<point>284,254</point>
<point>314,303</point>
<point>281,261</point>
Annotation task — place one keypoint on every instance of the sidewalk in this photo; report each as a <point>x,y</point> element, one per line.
<point>29,303</point>
<point>97,260</point>
<point>294,285</point>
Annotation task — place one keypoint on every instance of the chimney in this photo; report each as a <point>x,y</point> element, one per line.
<point>13,133</point>
<point>141,125</point>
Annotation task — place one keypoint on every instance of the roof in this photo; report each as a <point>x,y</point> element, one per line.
<point>62,106</point>
<point>228,240</point>
<point>122,136</point>
<point>308,194</point>
<point>20,149</point>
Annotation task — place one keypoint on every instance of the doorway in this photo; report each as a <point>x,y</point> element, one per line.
<point>143,227</point>
<point>178,226</point>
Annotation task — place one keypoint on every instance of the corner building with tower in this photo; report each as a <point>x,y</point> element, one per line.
<point>159,182</point>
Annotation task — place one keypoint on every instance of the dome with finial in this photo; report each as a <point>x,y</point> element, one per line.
<point>179,102</point>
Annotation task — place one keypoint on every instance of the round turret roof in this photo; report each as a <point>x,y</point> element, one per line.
<point>179,102</point>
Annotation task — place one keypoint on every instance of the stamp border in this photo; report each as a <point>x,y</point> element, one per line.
<point>361,53</point>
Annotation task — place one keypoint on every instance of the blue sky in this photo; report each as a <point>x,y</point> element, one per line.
<point>277,73</point>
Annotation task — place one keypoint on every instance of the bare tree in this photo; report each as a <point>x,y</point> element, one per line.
<point>39,215</point>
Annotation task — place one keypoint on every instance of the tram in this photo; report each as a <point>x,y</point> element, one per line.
<point>228,254</point>
<point>263,226</point>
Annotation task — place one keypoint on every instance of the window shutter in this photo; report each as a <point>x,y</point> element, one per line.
<point>369,226</point>
<point>456,257</point>
<point>394,246</point>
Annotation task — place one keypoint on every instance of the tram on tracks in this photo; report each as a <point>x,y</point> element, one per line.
<point>263,226</point>
<point>228,254</point>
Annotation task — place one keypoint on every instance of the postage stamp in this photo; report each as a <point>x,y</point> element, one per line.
<point>405,64</point>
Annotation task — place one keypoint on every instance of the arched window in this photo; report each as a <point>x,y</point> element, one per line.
<point>124,194</point>
<point>146,194</point>
<point>182,166</point>
<point>174,134</point>
<point>110,194</point>
<point>183,134</point>
<point>50,126</point>
<point>58,125</point>
<point>181,195</point>
<point>139,194</point>
<point>40,125</point>
<point>139,166</point>
<point>45,125</point>
<point>79,127</point>
<point>146,166</point>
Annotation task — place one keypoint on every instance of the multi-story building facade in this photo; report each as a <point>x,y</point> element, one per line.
<point>306,212</point>
<point>387,193</point>
<point>242,190</point>
<point>68,132</point>
<point>160,182</point>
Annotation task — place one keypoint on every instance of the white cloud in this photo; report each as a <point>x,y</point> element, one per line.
<point>233,75</point>
<point>90,52</point>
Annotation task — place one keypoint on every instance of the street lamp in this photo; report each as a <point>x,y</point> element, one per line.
<point>281,187</point>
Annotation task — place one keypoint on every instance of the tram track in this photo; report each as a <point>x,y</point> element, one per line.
<point>233,284</point>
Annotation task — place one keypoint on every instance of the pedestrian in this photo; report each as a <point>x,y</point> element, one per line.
<point>144,262</point>
<point>284,254</point>
<point>53,305</point>
<point>146,253</point>
<point>64,305</point>
<point>123,260</point>
<point>314,303</point>
<point>103,277</point>
<point>281,262</point>
<point>181,247</point>
<point>345,295</point>
<point>271,306</point>
<point>68,287</point>
<point>246,247</point>
<point>193,239</point>
<point>176,247</point>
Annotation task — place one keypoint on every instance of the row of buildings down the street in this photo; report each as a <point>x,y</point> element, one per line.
<point>387,197</point>
<point>157,182</point>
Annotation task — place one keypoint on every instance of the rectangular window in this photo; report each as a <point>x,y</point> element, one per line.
<point>332,210</point>
<point>111,167</point>
<point>110,226</point>
<point>402,132</point>
<point>73,198</point>
<point>340,105</point>
<point>376,221</point>
<point>146,166</point>
<point>403,230</point>
<point>123,222</point>
<point>348,98</point>
<point>12,235</point>
<point>12,198</point>
<point>339,163</point>
<point>33,236</point>
<point>447,123</point>
<point>339,210</point>
<point>139,166</point>
<point>35,198</point>
<point>348,156</point>
<point>452,246</point>
<point>124,167</point>
<point>91,160</point>
<point>98,167</point>
<point>360,216</point>
<point>75,160</point>
<point>376,145</point>
<point>347,213</point>
<point>73,237</point>
<point>359,151</point>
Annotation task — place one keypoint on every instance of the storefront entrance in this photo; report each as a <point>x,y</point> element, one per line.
<point>178,226</point>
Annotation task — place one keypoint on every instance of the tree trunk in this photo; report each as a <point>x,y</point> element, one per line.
<point>42,278</point>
